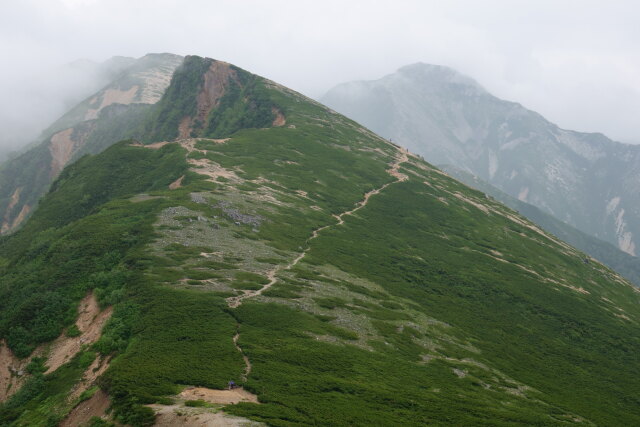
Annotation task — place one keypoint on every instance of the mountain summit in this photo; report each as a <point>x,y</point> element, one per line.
<point>439,78</point>
<point>585,180</point>
<point>253,257</point>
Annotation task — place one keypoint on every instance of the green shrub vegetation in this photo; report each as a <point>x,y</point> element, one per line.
<point>431,305</point>
<point>73,331</point>
<point>55,260</point>
<point>245,103</point>
<point>196,403</point>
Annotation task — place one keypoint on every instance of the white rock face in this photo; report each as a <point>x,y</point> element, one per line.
<point>579,146</point>
<point>147,79</point>
<point>612,205</point>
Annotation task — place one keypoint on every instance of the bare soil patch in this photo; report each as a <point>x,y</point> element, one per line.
<point>95,406</point>
<point>221,397</point>
<point>157,145</point>
<point>480,206</point>
<point>212,169</point>
<point>279,119</point>
<point>176,184</point>
<point>184,128</point>
<point>21,216</point>
<point>97,368</point>
<point>113,96</point>
<point>15,198</point>
<point>216,80</point>
<point>90,323</point>
<point>12,372</point>
<point>13,201</point>
<point>61,149</point>
<point>177,415</point>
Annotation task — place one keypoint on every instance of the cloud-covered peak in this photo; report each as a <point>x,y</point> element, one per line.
<point>438,76</point>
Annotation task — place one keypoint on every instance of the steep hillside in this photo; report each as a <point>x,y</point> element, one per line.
<point>44,93</point>
<point>623,263</point>
<point>585,180</point>
<point>101,120</point>
<point>336,278</point>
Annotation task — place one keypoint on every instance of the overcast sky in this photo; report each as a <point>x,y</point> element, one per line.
<point>576,62</point>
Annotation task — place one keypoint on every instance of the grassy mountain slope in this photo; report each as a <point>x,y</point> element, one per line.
<point>623,263</point>
<point>339,279</point>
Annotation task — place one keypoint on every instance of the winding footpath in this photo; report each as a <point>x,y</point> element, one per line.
<point>236,301</point>
<point>247,363</point>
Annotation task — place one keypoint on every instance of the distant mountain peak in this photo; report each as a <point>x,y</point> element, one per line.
<point>438,75</point>
<point>450,119</point>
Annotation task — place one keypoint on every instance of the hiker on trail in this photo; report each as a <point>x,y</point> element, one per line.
<point>232,385</point>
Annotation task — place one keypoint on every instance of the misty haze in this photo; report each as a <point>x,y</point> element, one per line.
<point>350,214</point>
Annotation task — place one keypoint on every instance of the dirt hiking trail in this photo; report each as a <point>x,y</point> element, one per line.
<point>247,363</point>
<point>236,301</point>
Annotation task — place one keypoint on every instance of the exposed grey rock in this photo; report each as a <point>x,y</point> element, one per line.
<point>237,217</point>
<point>198,198</point>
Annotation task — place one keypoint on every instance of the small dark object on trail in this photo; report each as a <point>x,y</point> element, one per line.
<point>585,260</point>
<point>232,385</point>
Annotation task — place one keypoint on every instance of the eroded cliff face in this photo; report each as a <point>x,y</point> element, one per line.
<point>212,99</point>
<point>216,81</point>
<point>109,97</point>
<point>61,147</point>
